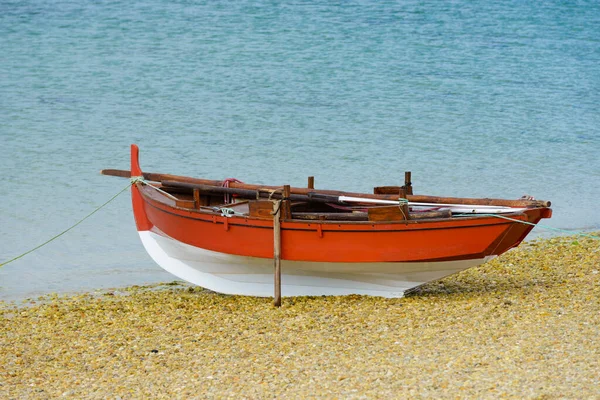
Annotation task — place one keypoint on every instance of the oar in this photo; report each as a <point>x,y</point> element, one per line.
<point>456,208</point>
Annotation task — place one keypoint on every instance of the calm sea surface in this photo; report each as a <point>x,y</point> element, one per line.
<point>492,99</point>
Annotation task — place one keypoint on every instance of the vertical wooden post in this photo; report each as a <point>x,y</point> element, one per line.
<point>311,182</point>
<point>408,183</point>
<point>286,205</point>
<point>281,210</point>
<point>277,251</point>
<point>197,198</point>
<point>404,207</point>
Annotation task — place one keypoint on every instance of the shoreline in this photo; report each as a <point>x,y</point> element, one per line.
<point>27,297</point>
<point>523,325</point>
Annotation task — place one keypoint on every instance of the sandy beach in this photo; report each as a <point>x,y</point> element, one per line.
<point>525,325</point>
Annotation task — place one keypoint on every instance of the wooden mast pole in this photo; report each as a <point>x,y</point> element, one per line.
<point>408,183</point>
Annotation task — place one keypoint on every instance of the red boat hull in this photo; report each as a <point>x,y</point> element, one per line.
<point>331,241</point>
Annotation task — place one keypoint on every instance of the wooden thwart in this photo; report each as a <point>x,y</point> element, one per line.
<point>185,203</point>
<point>261,209</point>
<point>391,213</point>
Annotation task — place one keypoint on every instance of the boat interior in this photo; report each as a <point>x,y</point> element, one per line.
<point>309,204</point>
<point>231,197</point>
<point>232,204</point>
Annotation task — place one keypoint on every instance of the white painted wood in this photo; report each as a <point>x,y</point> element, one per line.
<point>232,274</point>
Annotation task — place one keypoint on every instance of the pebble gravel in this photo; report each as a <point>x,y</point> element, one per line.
<point>526,325</point>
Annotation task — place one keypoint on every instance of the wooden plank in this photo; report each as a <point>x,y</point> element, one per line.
<point>431,214</point>
<point>404,191</point>
<point>386,189</point>
<point>261,209</point>
<point>332,216</point>
<point>120,173</point>
<point>363,216</point>
<point>185,203</point>
<point>311,182</point>
<point>391,213</point>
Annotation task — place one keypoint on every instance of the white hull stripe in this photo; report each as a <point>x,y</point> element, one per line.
<point>240,275</point>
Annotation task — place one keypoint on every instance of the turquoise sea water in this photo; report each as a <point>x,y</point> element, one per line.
<point>494,99</point>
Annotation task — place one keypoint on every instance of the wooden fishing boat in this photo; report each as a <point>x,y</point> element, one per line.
<point>238,238</point>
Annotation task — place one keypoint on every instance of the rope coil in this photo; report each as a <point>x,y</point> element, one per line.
<point>229,212</point>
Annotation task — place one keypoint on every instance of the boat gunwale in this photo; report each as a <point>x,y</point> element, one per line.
<point>158,178</point>
<point>266,223</point>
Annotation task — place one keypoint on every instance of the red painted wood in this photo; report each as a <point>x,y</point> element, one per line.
<point>341,242</point>
<point>330,241</point>
<point>141,220</point>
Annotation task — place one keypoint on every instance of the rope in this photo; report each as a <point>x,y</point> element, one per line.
<point>403,202</point>
<point>229,212</point>
<point>273,191</point>
<point>279,202</point>
<point>226,182</point>
<point>276,212</point>
<point>140,179</point>
<point>540,225</point>
<point>133,181</point>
